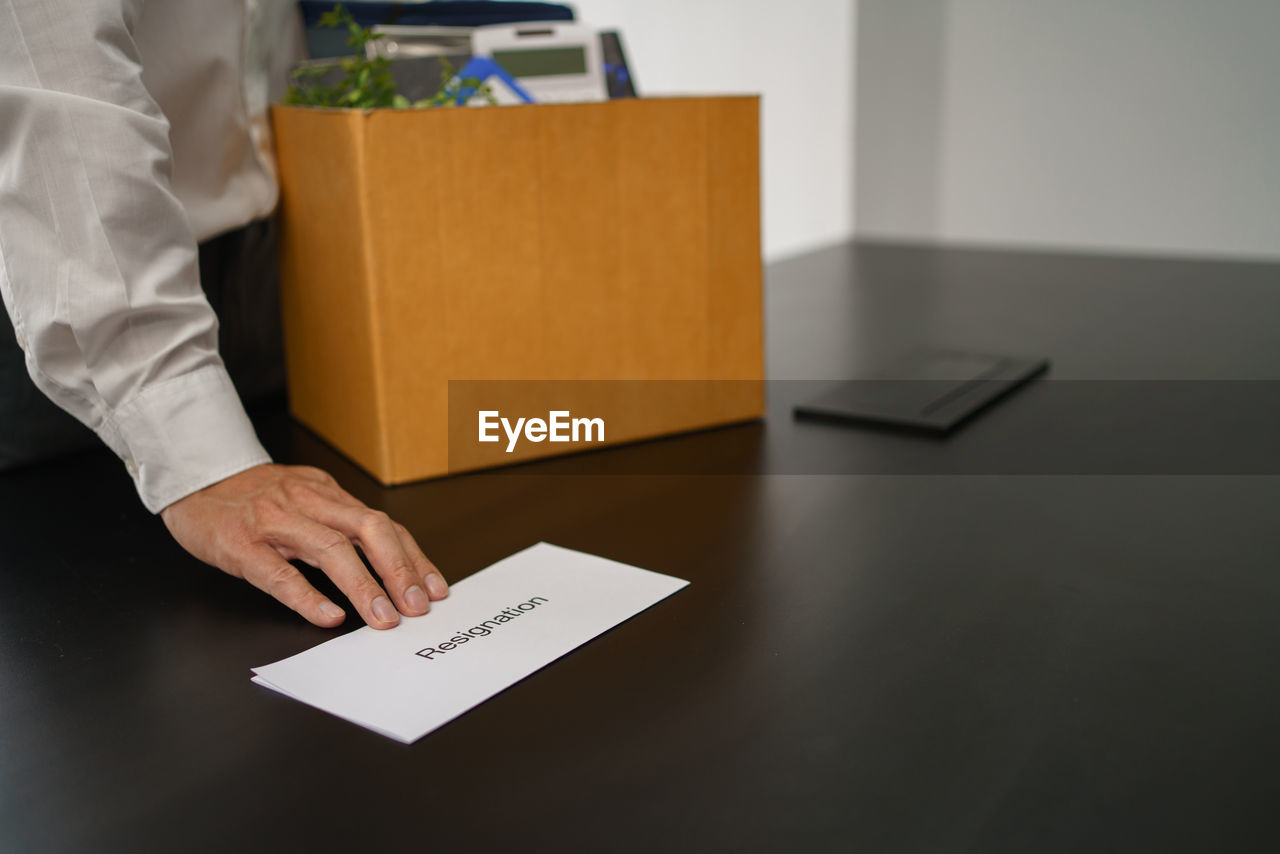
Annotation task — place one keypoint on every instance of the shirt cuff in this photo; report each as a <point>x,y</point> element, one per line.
<point>184,434</point>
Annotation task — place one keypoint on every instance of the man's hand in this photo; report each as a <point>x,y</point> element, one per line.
<point>251,524</point>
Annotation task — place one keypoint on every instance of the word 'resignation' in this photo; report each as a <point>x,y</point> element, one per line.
<point>482,630</point>
<point>559,426</point>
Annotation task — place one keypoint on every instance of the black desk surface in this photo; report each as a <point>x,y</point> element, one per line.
<point>887,645</point>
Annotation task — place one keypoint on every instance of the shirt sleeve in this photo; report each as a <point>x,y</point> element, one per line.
<point>98,264</point>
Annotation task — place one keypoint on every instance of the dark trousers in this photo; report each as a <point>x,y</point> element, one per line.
<point>240,277</point>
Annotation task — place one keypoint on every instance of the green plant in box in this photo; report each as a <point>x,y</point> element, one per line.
<point>367,83</point>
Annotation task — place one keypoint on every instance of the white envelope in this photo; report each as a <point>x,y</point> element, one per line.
<point>495,628</point>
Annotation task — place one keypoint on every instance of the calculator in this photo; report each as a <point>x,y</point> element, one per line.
<point>555,62</point>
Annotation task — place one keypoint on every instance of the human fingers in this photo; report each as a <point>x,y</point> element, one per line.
<point>369,529</point>
<point>266,570</point>
<point>432,578</point>
<point>379,538</point>
<point>321,483</point>
<point>331,551</point>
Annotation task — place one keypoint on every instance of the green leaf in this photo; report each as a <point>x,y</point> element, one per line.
<point>367,83</point>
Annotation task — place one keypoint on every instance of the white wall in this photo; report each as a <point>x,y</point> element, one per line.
<point>1129,125</point>
<point>800,60</point>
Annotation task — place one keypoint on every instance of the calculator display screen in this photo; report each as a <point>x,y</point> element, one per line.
<point>542,62</point>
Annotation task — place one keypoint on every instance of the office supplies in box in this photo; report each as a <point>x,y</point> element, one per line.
<point>326,42</point>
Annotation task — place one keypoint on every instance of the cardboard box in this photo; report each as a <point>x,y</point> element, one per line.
<point>439,263</point>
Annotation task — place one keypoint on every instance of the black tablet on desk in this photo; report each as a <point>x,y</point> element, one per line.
<point>934,391</point>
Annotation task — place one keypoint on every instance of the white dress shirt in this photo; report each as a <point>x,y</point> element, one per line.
<point>129,130</point>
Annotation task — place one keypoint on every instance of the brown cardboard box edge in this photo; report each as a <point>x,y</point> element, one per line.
<point>605,241</point>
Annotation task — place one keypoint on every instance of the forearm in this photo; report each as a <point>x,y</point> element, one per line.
<point>97,261</point>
